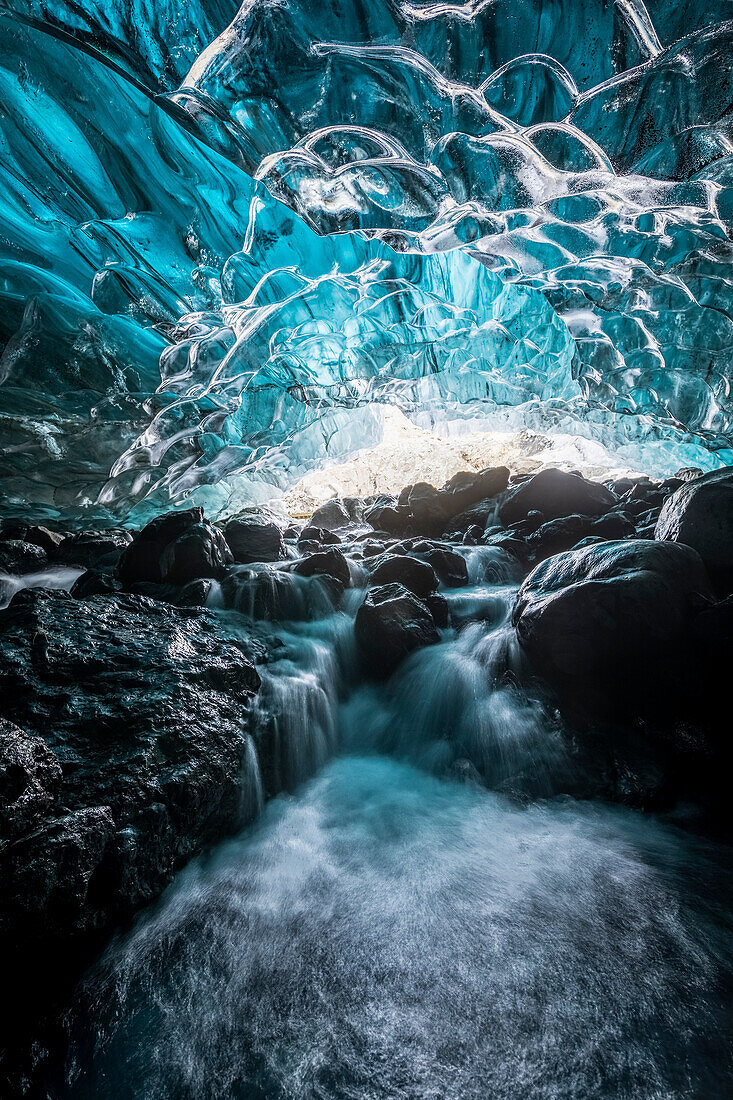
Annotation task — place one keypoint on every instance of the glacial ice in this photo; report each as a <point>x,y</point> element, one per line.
<point>225,247</point>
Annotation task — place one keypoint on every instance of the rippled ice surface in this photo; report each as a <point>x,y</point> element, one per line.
<point>388,934</point>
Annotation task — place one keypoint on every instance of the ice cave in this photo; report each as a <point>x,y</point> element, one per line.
<point>366,549</point>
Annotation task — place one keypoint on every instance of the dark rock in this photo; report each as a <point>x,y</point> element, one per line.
<point>94,582</point>
<point>140,561</point>
<point>613,526</point>
<point>194,594</point>
<point>558,535</point>
<point>30,778</point>
<point>143,704</point>
<point>329,563</point>
<point>415,575</point>
<point>421,509</point>
<point>175,549</point>
<point>555,494</point>
<point>449,565</point>
<point>40,536</point>
<point>689,473</point>
<point>18,557</point>
<point>700,514</point>
<point>610,619</point>
<point>318,535</point>
<point>93,548</point>
<point>331,516</point>
<point>439,608</point>
<point>254,539</point>
<point>200,552</point>
<point>390,624</point>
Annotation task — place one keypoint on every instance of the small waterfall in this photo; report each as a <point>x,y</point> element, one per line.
<point>62,578</point>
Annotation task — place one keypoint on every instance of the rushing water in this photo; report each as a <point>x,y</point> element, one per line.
<point>386,931</point>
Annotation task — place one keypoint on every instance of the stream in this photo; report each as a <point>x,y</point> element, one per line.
<point>392,929</point>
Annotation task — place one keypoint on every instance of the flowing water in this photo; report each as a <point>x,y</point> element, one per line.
<point>388,931</point>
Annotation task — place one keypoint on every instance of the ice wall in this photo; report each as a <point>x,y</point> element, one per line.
<point>508,213</point>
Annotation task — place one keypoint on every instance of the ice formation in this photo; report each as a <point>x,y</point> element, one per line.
<point>224,248</point>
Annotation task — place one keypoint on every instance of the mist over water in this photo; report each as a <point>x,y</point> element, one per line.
<point>387,931</point>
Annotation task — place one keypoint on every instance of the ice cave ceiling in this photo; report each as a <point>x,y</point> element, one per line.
<point>227,237</point>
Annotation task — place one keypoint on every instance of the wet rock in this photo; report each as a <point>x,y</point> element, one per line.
<point>174,549</point>
<point>449,565</point>
<point>195,593</point>
<point>254,539</point>
<point>555,493</point>
<point>558,535</point>
<point>700,514</point>
<point>417,576</point>
<point>611,619</point>
<point>331,516</point>
<point>93,548</point>
<point>200,552</point>
<point>329,563</point>
<point>94,582</point>
<point>274,594</point>
<point>421,509</point>
<point>689,473</point>
<point>34,533</point>
<point>145,708</point>
<point>390,624</point>
<point>18,557</point>
<point>439,608</point>
<point>30,778</point>
<point>318,535</point>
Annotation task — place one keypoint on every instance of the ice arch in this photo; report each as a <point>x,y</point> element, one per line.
<point>171,332</point>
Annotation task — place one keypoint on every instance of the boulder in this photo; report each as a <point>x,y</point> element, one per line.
<point>254,538</point>
<point>449,566</point>
<point>93,548</point>
<point>145,706</point>
<point>610,618</point>
<point>94,582</point>
<point>30,778</point>
<point>390,624</point>
<point>17,557</point>
<point>421,509</point>
<point>327,563</point>
<point>700,515</point>
<point>35,533</point>
<point>555,493</point>
<point>415,575</point>
<point>200,552</point>
<point>319,535</point>
<point>175,549</point>
<point>331,516</point>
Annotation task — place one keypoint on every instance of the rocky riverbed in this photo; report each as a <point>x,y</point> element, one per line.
<point>140,721</point>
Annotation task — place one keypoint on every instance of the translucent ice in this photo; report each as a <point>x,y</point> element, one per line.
<point>224,247</point>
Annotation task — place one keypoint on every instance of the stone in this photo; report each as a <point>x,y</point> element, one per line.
<point>47,539</point>
<point>93,548</point>
<point>417,576</point>
<point>700,515</point>
<point>318,535</point>
<point>141,560</point>
<point>30,778</point>
<point>200,552</point>
<point>254,538</point>
<point>390,624</point>
<point>328,563</point>
<point>555,494</point>
<point>558,535</point>
<point>18,558</point>
<point>146,707</point>
<point>331,516</point>
<point>449,566</point>
<point>94,582</point>
<point>610,618</point>
<point>175,549</point>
